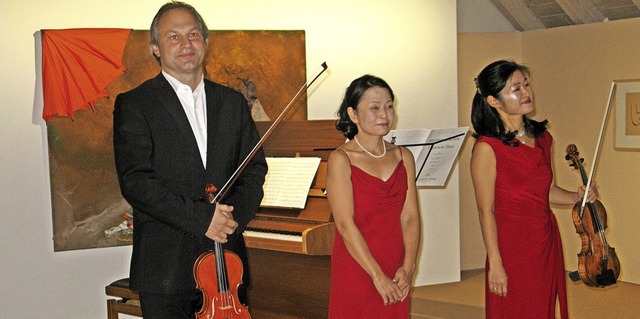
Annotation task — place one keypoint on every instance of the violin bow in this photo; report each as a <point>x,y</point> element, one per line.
<point>225,188</point>
<point>597,151</point>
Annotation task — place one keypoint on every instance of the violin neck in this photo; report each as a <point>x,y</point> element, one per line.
<point>593,210</point>
<point>583,174</point>
<point>221,269</point>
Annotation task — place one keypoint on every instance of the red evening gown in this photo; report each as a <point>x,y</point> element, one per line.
<point>377,207</point>
<point>528,234</point>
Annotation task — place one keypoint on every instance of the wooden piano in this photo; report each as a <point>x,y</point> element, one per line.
<point>290,249</point>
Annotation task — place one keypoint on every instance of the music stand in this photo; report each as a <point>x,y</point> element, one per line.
<point>448,153</point>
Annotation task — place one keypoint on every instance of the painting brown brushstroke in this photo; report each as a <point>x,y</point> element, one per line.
<point>268,67</point>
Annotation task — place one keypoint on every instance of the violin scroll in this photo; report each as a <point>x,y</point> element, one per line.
<point>572,155</point>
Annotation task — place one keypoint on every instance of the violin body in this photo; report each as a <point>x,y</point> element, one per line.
<point>220,299</point>
<point>218,274</point>
<point>596,267</point>
<point>598,264</point>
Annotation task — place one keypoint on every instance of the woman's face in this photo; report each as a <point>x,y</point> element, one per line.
<point>516,98</point>
<point>374,113</point>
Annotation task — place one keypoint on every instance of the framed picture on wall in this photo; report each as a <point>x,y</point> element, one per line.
<point>266,66</point>
<point>627,115</point>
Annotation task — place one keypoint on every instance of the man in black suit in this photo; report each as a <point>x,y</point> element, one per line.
<point>172,135</point>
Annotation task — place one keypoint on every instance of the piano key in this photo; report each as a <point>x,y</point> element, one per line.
<point>272,235</point>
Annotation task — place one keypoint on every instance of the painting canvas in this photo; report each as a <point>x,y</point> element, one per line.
<point>627,128</point>
<point>268,67</point>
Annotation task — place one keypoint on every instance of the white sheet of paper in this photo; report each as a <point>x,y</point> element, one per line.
<point>288,181</point>
<point>434,151</point>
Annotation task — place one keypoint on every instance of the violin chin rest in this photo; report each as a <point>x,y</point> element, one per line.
<point>607,278</point>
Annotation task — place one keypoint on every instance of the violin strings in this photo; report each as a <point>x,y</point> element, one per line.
<point>599,227</point>
<point>595,216</point>
<point>222,273</point>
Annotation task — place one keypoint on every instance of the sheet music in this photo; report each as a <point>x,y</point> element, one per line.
<point>288,181</point>
<point>434,151</point>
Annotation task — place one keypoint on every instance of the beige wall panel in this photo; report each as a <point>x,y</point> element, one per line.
<point>573,68</point>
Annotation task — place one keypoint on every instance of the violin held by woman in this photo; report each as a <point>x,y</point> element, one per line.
<point>598,264</point>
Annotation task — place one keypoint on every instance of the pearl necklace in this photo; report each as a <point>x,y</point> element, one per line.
<point>384,148</point>
<point>520,135</point>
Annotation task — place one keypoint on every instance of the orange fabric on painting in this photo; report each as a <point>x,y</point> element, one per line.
<point>77,66</point>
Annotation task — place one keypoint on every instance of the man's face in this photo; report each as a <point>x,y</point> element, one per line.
<point>181,45</point>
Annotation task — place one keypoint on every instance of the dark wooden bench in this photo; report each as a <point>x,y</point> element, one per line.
<point>128,301</point>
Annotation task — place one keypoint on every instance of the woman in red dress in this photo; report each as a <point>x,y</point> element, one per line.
<point>513,181</point>
<point>372,194</point>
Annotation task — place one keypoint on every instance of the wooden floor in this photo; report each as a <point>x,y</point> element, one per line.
<point>465,299</point>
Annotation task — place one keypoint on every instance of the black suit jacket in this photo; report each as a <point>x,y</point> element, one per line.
<point>161,175</point>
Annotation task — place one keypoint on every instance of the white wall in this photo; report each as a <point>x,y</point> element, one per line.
<point>411,44</point>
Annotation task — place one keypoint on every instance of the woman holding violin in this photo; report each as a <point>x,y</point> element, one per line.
<point>514,187</point>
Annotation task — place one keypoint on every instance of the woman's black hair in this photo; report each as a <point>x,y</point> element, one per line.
<point>351,99</point>
<point>485,119</point>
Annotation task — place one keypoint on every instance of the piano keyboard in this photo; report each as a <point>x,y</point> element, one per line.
<point>272,235</point>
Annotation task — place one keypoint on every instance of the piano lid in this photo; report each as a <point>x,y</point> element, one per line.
<point>301,138</point>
